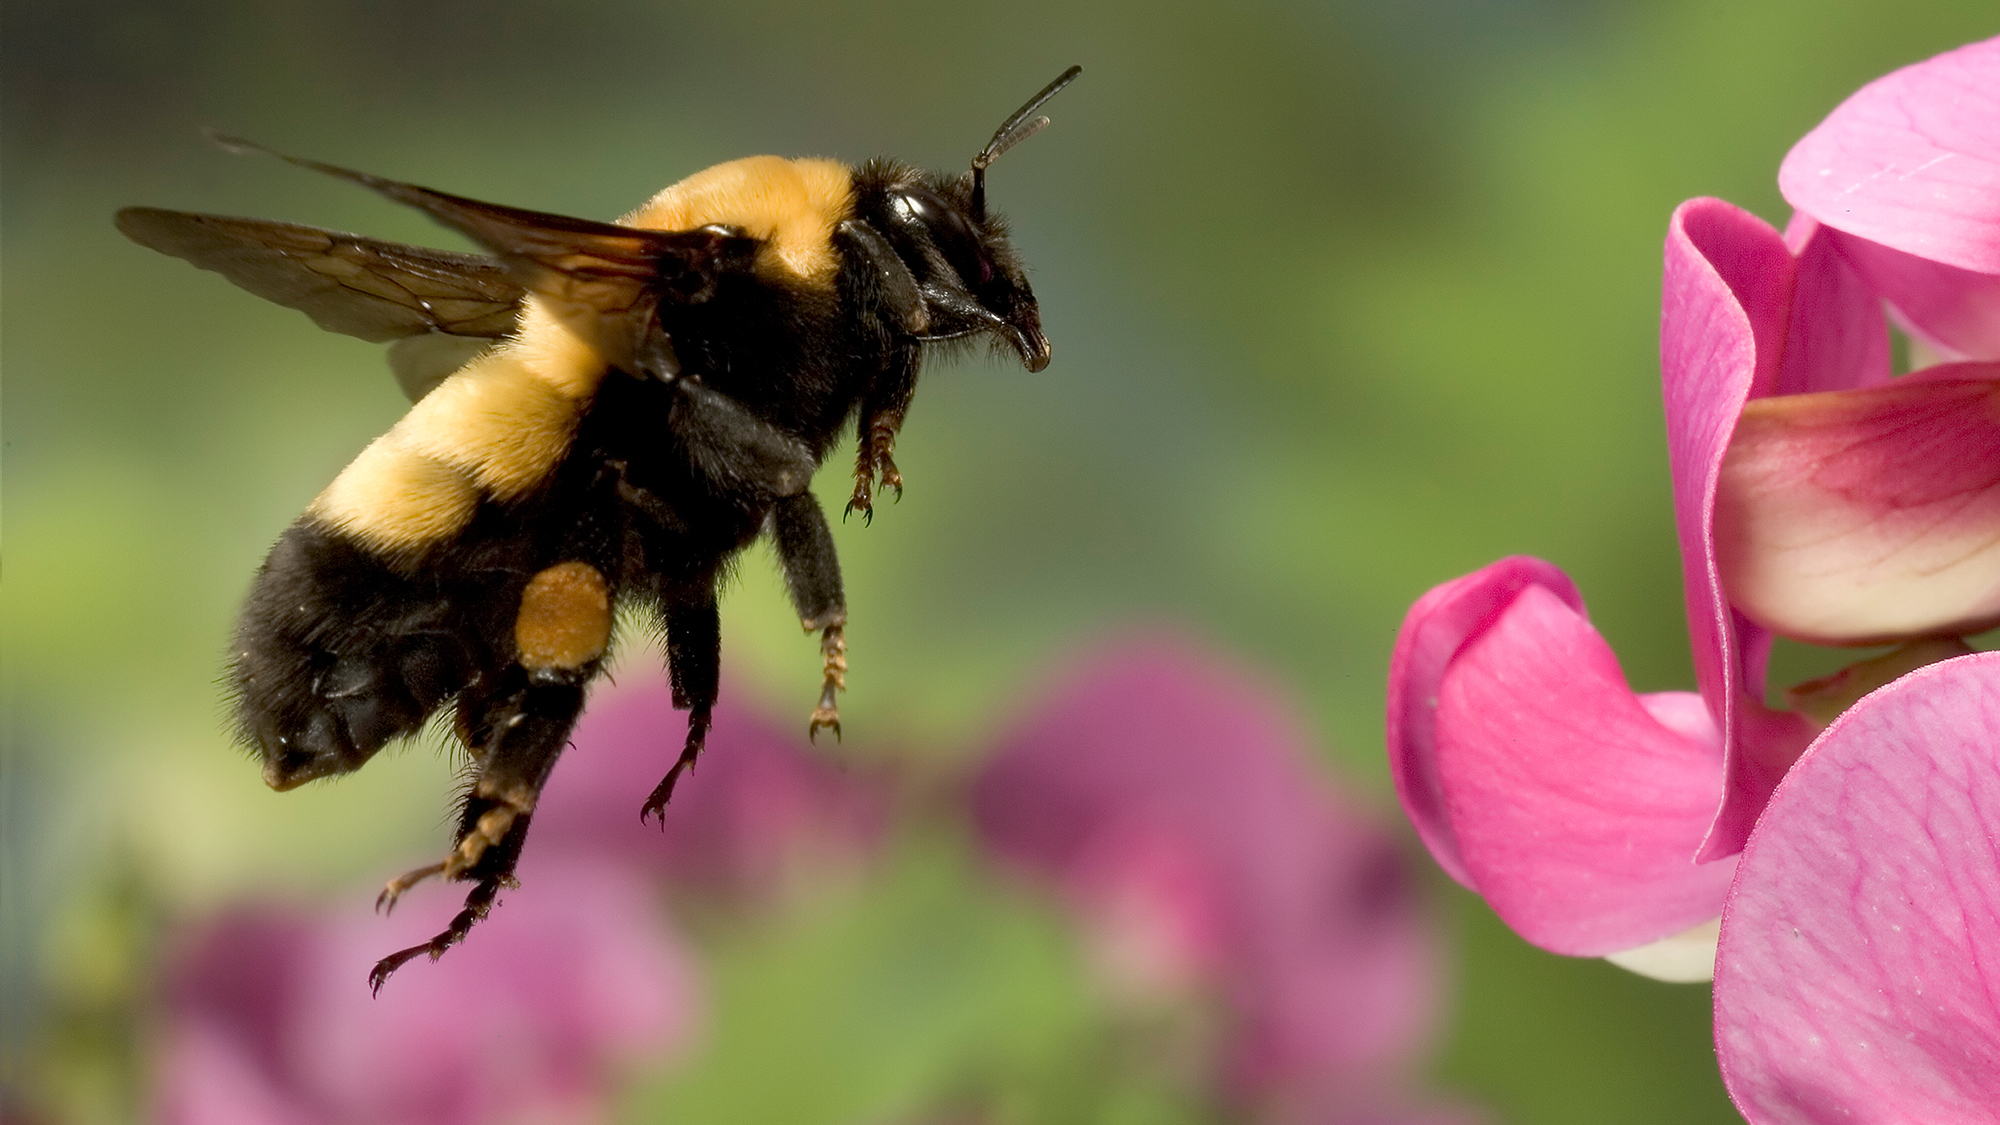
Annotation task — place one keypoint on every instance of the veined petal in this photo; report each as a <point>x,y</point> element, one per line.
<point>1865,516</point>
<point>1725,311</point>
<point>1954,310</point>
<point>1856,978</point>
<point>1578,805</point>
<point>1912,161</point>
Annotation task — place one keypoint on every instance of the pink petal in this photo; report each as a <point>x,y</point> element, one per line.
<point>1867,516</point>
<point>1856,979</point>
<point>1838,338</point>
<point>1578,805</point>
<point>1955,311</point>
<point>1433,632</point>
<point>1912,161</point>
<point>1725,312</point>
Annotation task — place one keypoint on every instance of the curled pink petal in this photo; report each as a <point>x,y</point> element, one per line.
<point>1865,516</point>
<point>1856,978</point>
<point>1912,161</point>
<point>1433,632</point>
<point>1578,805</point>
<point>1725,311</point>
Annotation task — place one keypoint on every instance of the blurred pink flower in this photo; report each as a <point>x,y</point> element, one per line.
<point>270,1021</point>
<point>1814,497</point>
<point>1171,799</point>
<point>576,972</point>
<point>1856,978</point>
<point>757,801</point>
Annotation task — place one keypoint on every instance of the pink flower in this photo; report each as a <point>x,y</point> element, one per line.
<point>576,973</point>
<point>1170,799</point>
<point>1814,497</point>
<point>271,1022</point>
<point>1857,975</point>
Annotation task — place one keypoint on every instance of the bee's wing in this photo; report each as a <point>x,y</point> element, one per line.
<point>356,286</point>
<point>603,280</point>
<point>420,363</point>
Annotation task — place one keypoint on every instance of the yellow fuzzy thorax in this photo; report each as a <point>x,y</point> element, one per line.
<point>792,205</point>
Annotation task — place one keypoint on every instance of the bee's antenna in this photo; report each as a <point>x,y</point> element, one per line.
<point>1017,128</point>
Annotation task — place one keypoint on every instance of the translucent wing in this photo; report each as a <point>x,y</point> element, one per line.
<point>603,280</point>
<point>378,291</point>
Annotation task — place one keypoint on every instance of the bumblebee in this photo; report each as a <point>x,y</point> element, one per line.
<point>605,415</point>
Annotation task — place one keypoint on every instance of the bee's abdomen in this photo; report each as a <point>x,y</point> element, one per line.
<point>337,653</point>
<point>496,429</point>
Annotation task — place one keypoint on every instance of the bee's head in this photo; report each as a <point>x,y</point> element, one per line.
<point>965,268</point>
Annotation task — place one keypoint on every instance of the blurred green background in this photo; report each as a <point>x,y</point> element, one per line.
<point>1347,299</point>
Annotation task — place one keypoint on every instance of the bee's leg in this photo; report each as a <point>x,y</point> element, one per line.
<point>882,430</point>
<point>893,305</point>
<point>694,668</point>
<point>735,453</point>
<point>516,733</point>
<point>525,731</point>
<point>805,550</point>
<point>889,285</point>
<point>863,499</point>
<point>882,414</point>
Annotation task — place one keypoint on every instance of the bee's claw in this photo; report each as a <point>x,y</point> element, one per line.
<point>394,888</point>
<point>833,673</point>
<point>823,718</point>
<point>697,736</point>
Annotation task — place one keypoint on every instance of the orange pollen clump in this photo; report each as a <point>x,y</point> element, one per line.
<point>565,618</point>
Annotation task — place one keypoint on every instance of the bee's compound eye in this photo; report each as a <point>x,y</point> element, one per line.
<point>922,209</point>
